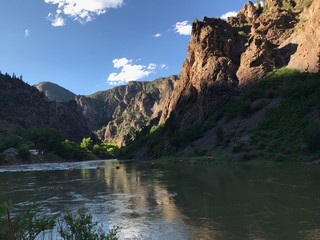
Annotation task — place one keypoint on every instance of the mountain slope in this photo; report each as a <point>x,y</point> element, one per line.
<point>119,114</point>
<point>55,92</point>
<point>25,106</point>
<point>225,60</point>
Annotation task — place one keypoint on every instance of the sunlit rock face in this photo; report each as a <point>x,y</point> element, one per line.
<point>224,55</point>
<point>119,114</point>
<point>207,73</point>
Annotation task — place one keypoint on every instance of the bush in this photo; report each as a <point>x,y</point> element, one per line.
<point>26,225</point>
<point>87,143</point>
<point>23,152</point>
<point>81,226</point>
<point>45,139</point>
<point>72,151</point>
<point>99,151</point>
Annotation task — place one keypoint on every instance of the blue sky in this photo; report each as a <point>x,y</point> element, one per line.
<point>91,45</point>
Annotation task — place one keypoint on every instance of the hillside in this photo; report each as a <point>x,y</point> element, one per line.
<point>277,118</point>
<point>55,92</point>
<point>25,106</point>
<point>247,90</point>
<point>226,62</point>
<point>119,114</point>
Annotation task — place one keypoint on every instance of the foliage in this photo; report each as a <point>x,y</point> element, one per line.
<point>288,5</point>
<point>71,151</point>
<point>286,128</point>
<point>10,140</point>
<point>26,225</point>
<point>5,223</point>
<point>112,149</point>
<point>87,143</point>
<point>81,226</point>
<point>23,152</point>
<point>45,139</point>
<point>100,151</point>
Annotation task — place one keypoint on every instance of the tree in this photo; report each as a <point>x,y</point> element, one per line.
<point>45,139</point>
<point>99,151</point>
<point>23,152</point>
<point>72,150</point>
<point>87,143</point>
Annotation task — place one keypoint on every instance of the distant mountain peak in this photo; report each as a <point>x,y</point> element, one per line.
<point>54,92</point>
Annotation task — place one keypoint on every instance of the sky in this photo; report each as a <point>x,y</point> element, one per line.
<point>92,45</point>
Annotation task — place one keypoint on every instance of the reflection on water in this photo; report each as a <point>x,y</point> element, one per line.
<point>176,201</point>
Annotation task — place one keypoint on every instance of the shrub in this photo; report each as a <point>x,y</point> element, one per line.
<point>26,225</point>
<point>70,150</point>
<point>87,143</point>
<point>81,226</point>
<point>23,152</point>
<point>99,151</point>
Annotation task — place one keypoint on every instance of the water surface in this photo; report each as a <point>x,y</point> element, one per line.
<point>176,201</point>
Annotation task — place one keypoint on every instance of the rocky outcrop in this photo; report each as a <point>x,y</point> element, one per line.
<point>119,114</point>
<point>207,73</point>
<point>25,106</point>
<point>55,92</point>
<point>306,38</point>
<point>223,55</point>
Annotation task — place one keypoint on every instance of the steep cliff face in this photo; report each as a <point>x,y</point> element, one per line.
<point>224,55</point>
<point>207,73</point>
<point>119,114</point>
<point>25,106</point>
<point>307,39</point>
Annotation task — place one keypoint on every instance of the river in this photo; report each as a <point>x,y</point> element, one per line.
<point>176,201</point>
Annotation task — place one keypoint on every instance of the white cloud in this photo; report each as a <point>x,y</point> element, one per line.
<point>56,21</point>
<point>79,10</point>
<point>130,71</point>
<point>26,33</point>
<point>163,66</point>
<point>118,63</point>
<point>152,66</point>
<point>229,14</point>
<point>183,28</point>
<point>157,35</point>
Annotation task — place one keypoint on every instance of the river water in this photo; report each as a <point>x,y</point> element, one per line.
<point>176,201</point>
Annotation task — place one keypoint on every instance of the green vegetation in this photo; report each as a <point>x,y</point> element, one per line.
<point>23,152</point>
<point>276,118</point>
<point>28,225</point>
<point>81,226</point>
<point>52,146</point>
